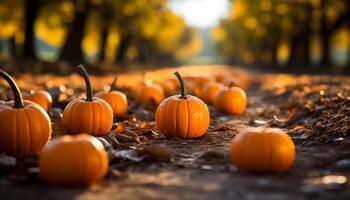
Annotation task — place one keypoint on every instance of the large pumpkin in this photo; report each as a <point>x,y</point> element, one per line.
<point>182,116</point>
<point>25,127</point>
<point>90,115</point>
<point>262,150</point>
<point>210,91</point>
<point>116,99</point>
<point>150,93</point>
<point>42,98</point>
<point>232,100</point>
<point>73,160</point>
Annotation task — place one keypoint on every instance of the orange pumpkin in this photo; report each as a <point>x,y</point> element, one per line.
<point>150,93</point>
<point>42,98</point>
<point>182,116</point>
<point>168,86</point>
<point>261,150</point>
<point>91,115</point>
<point>25,127</point>
<point>116,99</point>
<point>232,100</point>
<point>210,90</point>
<point>73,160</point>
<point>198,85</point>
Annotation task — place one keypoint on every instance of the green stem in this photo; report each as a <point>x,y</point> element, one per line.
<point>113,84</point>
<point>182,84</point>
<point>82,71</point>
<point>16,92</point>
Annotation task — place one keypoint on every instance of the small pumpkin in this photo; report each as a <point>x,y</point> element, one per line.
<point>210,90</point>
<point>150,93</point>
<point>168,86</point>
<point>25,127</point>
<point>232,100</point>
<point>42,98</point>
<point>73,160</point>
<point>198,85</point>
<point>262,150</point>
<point>116,99</point>
<point>90,115</point>
<point>182,116</point>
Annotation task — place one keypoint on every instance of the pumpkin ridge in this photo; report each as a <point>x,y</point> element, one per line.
<point>167,119</point>
<point>175,117</point>
<point>246,146</point>
<point>42,138</point>
<point>271,158</point>
<point>91,110</point>
<point>85,160</point>
<point>98,128</point>
<point>16,133</point>
<point>9,136</point>
<point>189,119</point>
<point>28,130</point>
<point>69,109</point>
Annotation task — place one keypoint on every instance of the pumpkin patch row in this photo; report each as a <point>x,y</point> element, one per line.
<point>82,159</point>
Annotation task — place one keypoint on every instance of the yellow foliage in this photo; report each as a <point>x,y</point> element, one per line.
<point>341,39</point>
<point>248,57</point>
<point>265,5</point>
<point>91,42</point>
<point>192,48</point>
<point>51,23</point>
<point>219,34</point>
<point>238,9</point>
<point>250,22</point>
<point>52,34</point>
<point>282,9</point>
<point>283,50</point>
<point>112,43</point>
<point>11,15</point>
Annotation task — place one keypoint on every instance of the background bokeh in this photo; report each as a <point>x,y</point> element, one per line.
<point>290,35</point>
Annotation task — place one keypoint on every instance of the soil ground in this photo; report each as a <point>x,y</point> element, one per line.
<point>201,168</point>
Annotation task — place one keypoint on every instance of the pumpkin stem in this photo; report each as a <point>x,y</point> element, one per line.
<point>15,89</point>
<point>82,71</point>
<point>182,84</point>
<point>113,84</point>
<point>232,83</point>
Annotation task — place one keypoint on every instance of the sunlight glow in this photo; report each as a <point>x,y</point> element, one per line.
<point>201,13</point>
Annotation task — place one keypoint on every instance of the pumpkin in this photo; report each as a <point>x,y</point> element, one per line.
<point>42,98</point>
<point>210,90</point>
<point>182,116</point>
<point>198,85</point>
<point>232,100</point>
<point>116,99</point>
<point>150,93</point>
<point>90,115</point>
<point>73,160</point>
<point>168,86</point>
<point>262,150</point>
<point>25,127</point>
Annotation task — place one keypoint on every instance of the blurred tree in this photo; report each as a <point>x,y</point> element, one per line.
<point>275,32</point>
<point>143,31</point>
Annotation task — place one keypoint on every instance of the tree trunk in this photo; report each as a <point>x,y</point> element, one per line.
<point>71,51</point>
<point>325,34</point>
<point>122,50</point>
<point>104,36</point>
<point>31,11</point>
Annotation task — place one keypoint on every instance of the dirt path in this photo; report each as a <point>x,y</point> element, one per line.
<point>201,169</point>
